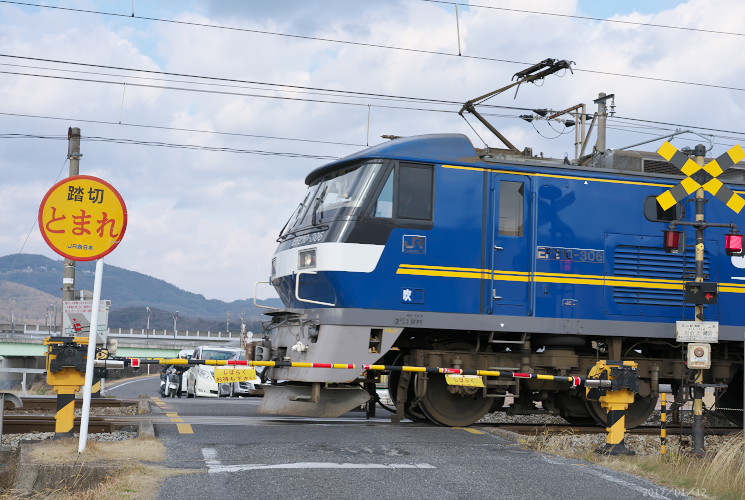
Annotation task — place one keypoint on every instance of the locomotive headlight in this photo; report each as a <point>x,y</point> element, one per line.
<point>307,259</point>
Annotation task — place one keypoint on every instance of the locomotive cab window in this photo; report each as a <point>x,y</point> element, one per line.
<point>338,194</point>
<point>654,212</point>
<point>408,193</point>
<point>415,185</point>
<point>384,204</point>
<point>511,208</point>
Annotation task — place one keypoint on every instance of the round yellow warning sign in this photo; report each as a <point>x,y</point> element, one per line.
<point>83,218</point>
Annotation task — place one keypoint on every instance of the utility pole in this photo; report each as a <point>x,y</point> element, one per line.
<point>600,146</point>
<point>698,390</point>
<point>73,154</point>
<point>699,334</point>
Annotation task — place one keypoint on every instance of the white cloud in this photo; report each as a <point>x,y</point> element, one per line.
<point>207,221</point>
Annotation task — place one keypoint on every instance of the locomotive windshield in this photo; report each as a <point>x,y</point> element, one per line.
<point>338,193</point>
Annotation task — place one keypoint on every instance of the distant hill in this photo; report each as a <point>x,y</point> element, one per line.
<point>27,305</point>
<point>130,293</point>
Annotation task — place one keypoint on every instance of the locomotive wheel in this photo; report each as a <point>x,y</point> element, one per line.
<point>452,410</point>
<point>573,409</point>
<point>733,398</point>
<point>412,413</point>
<point>637,413</point>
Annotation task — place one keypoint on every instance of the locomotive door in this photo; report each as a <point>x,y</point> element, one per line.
<point>509,291</point>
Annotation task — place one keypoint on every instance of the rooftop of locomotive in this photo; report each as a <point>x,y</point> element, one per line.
<point>457,148</point>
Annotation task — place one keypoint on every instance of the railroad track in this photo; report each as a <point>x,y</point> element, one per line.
<point>17,422</point>
<point>50,403</point>
<point>20,424</point>
<point>520,428</point>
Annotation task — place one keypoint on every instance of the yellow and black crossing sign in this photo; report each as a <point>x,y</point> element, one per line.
<point>710,182</point>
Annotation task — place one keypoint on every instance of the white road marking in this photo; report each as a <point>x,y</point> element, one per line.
<point>644,491</point>
<point>210,457</point>
<point>215,466</point>
<point>313,465</point>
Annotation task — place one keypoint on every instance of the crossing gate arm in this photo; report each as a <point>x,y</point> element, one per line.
<point>574,380</point>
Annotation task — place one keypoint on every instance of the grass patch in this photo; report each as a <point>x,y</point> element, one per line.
<point>130,478</point>
<point>39,389</point>
<point>720,474</point>
<point>8,468</point>
<point>131,482</point>
<point>66,451</point>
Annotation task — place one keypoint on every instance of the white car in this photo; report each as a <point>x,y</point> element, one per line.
<point>200,379</point>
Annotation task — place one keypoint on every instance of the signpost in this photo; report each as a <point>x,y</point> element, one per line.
<point>697,331</point>
<point>76,318</point>
<point>84,218</point>
<point>700,178</point>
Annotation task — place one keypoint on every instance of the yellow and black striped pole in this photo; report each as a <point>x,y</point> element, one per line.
<point>663,425</point>
<point>616,402</point>
<point>65,417</point>
<point>96,388</point>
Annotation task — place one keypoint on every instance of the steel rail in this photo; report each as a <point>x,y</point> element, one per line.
<point>50,402</point>
<point>22,423</point>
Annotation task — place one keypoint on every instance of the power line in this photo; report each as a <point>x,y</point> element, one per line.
<point>234,80</point>
<point>179,129</point>
<point>588,18</point>
<point>677,125</point>
<point>649,125</point>
<point>171,145</point>
<point>362,44</point>
<point>219,92</point>
<point>243,94</point>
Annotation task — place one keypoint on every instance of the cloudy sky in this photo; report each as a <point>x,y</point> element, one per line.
<point>207,115</point>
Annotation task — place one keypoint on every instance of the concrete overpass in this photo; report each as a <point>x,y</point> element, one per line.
<point>22,346</point>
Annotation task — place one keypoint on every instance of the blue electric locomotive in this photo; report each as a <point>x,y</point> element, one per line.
<point>426,251</point>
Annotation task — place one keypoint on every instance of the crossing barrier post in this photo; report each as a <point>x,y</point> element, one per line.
<point>663,425</point>
<point>66,373</point>
<point>624,378</point>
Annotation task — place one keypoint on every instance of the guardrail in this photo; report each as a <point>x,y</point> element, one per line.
<point>166,334</point>
<point>24,371</point>
<point>123,332</point>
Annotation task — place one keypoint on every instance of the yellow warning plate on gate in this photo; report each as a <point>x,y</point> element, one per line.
<point>465,380</point>
<point>223,375</point>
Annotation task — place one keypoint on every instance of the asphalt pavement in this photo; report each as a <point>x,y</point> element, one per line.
<point>243,454</point>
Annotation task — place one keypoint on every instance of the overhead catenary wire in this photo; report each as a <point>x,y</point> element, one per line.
<point>647,127</point>
<point>362,44</point>
<point>180,129</point>
<point>223,92</point>
<point>372,95</point>
<point>589,18</point>
<point>225,82</point>
<point>172,145</point>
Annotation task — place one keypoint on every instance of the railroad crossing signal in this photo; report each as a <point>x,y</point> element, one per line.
<point>710,182</point>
